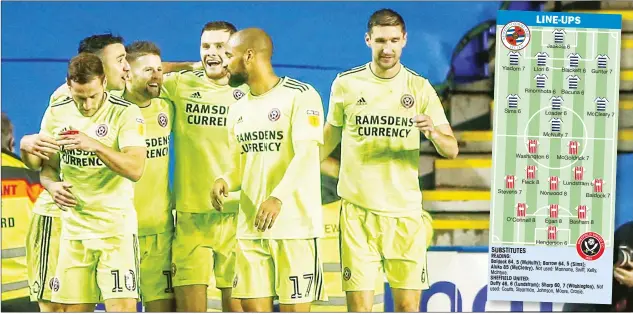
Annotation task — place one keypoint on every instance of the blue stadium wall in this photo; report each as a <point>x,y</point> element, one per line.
<point>313,41</point>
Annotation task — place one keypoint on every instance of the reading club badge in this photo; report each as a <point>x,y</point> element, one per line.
<point>590,246</point>
<point>515,35</point>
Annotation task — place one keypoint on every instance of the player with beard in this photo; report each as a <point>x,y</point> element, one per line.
<point>377,112</point>
<point>152,199</point>
<point>110,49</point>
<point>204,239</point>
<point>274,135</point>
<point>44,231</point>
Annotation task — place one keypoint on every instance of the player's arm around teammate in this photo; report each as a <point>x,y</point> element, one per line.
<point>181,66</point>
<point>37,147</point>
<point>151,193</point>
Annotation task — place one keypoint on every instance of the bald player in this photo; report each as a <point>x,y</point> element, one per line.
<point>377,112</point>
<point>274,136</point>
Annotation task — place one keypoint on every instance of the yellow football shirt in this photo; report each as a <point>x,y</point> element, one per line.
<point>263,131</point>
<point>152,198</point>
<point>105,199</point>
<point>380,146</point>
<point>44,205</point>
<point>200,138</point>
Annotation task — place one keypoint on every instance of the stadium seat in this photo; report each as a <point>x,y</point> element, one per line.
<point>467,171</point>
<point>627,17</point>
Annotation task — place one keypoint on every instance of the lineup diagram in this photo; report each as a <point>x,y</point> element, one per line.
<point>555,127</point>
<point>555,136</point>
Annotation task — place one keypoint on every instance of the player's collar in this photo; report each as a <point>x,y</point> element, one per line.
<point>385,79</point>
<point>279,82</point>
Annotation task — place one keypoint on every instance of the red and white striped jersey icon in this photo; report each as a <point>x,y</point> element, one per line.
<point>521,209</point>
<point>532,146</point>
<point>510,179</point>
<point>553,183</point>
<point>582,211</point>
<point>553,211</point>
<point>579,172</point>
<point>530,172</point>
<point>551,232</point>
<point>597,185</point>
<point>573,147</point>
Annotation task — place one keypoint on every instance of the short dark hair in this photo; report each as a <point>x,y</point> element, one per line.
<point>386,17</point>
<point>96,43</point>
<point>7,132</point>
<point>219,26</point>
<point>141,48</point>
<point>84,67</point>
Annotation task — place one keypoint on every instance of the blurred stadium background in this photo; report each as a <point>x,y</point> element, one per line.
<point>450,43</point>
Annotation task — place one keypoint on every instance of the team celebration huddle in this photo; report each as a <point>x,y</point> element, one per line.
<point>245,206</point>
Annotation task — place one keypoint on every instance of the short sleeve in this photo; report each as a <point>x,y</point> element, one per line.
<point>336,110</point>
<point>307,117</point>
<point>132,128</point>
<point>170,85</point>
<point>431,105</point>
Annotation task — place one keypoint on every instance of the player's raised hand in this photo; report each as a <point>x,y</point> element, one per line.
<point>219,191</point>
<point>424,123</point>
<point>267,213</point>
<point>73,139</point>
<point>39,145</point>
<point>60,191</point>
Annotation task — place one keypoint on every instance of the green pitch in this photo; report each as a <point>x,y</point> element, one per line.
<point>582,69</point>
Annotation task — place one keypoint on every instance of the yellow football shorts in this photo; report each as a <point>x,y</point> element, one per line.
<point>204,242</point>
<point>290,270</point>
<point>371,244</point>
<point>42,250</point>
<point>156,277</point>
<point>89,271</point>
